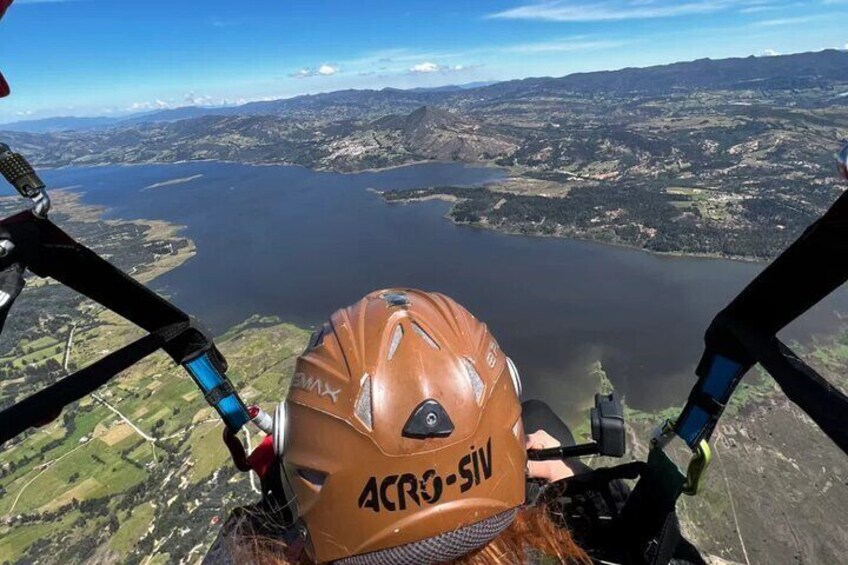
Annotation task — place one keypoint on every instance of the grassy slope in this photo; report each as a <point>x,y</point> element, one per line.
<point>264,355</point>
<point>92,457</point>
<point>777,487</point>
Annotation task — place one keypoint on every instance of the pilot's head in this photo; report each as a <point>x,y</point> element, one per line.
<point>402,438</point>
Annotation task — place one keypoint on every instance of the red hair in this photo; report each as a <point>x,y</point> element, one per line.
<point>533,534</point>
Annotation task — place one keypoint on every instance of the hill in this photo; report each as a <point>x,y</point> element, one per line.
<point>718,157</point>
<point>821,70</point>
<point>61,123</point>
<point>724,157</point>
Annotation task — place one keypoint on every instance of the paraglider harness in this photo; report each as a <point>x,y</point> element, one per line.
<point>30,241</point>
<point>742,334</point>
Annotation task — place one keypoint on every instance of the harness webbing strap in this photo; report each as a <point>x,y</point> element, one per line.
<point>719,377</point>
<point>744,332</point>
<point>826,405</point>
<point>32,410</point>
<point>47,251</point>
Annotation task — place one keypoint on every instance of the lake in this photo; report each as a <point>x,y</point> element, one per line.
<point>297,243</point>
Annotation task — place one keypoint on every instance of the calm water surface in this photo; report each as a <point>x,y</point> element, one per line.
<point>299,244</point>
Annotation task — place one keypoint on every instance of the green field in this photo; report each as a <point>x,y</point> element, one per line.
<point>103,458</point>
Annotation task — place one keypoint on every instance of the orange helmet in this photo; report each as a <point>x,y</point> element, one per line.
<point>401,438</point>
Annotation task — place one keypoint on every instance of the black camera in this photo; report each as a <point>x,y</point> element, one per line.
<point>607,418</point>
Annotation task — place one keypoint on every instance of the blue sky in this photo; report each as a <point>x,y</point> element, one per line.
<point>111,57</point>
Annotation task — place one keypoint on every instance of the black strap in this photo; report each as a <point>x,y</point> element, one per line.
<point>43,248</point>
<point>646,531</point>
<point>648,522</point>
<point>825,404</point>
<point>48,251</point>
<point>33,410</point>
<point>594,479</point>
<point>810,269</point>
<point>219,392</point>
<point>744,333</point>
<point>11,284</point>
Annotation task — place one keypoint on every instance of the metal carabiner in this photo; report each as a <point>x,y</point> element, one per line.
<point>20,174</point>
<point>702,456</point>
<point>663,434</point>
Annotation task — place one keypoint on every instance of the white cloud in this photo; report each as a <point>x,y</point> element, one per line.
<point>399,55</point>
<point>579,43</point>
<point>322,71</point>
<point>193,99</point>
<point>146,106</point>
<point>759,6</point>
<point>428,68</point>
<point>189,99</point>
<point>768,53</point>
<point>583,11</point>
<point>425,68</point>
<point>789,21</point>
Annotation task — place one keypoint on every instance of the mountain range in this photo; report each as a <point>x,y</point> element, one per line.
<point>804,70</point>
<point>726,157</point>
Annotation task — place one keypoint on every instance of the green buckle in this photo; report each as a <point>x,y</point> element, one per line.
<point>702,455</point>
<point>697,469</point>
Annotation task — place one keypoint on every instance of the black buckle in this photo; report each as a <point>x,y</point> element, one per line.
<point>219,392</point>
<point>708,403</point>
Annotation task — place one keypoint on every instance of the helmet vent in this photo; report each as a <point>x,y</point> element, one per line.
<point>362,407</point>
<point>518,430</point>
<point>314,478</point>
<point>396,337</point>
<point>395,298</point>
<point>424,335</point>
<point>476,382</point>
<point>317,338</point>
<point>516,378</point>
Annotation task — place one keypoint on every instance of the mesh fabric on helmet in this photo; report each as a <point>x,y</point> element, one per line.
<point>438,549</point>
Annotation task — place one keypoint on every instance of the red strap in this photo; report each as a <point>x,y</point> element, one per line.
<point>233,443</point>
<point>260,460</point>
<point>4,86</point>
<point>4,4</point>
<point>262,457</point>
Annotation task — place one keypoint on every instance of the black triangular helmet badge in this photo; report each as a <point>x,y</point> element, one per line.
<point>428,419</point>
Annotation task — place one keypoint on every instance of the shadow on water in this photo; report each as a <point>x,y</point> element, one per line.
<point>299,244</point>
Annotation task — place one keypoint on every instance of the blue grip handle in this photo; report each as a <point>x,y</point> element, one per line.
<point>719,383</point>
<point>209,378</point>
